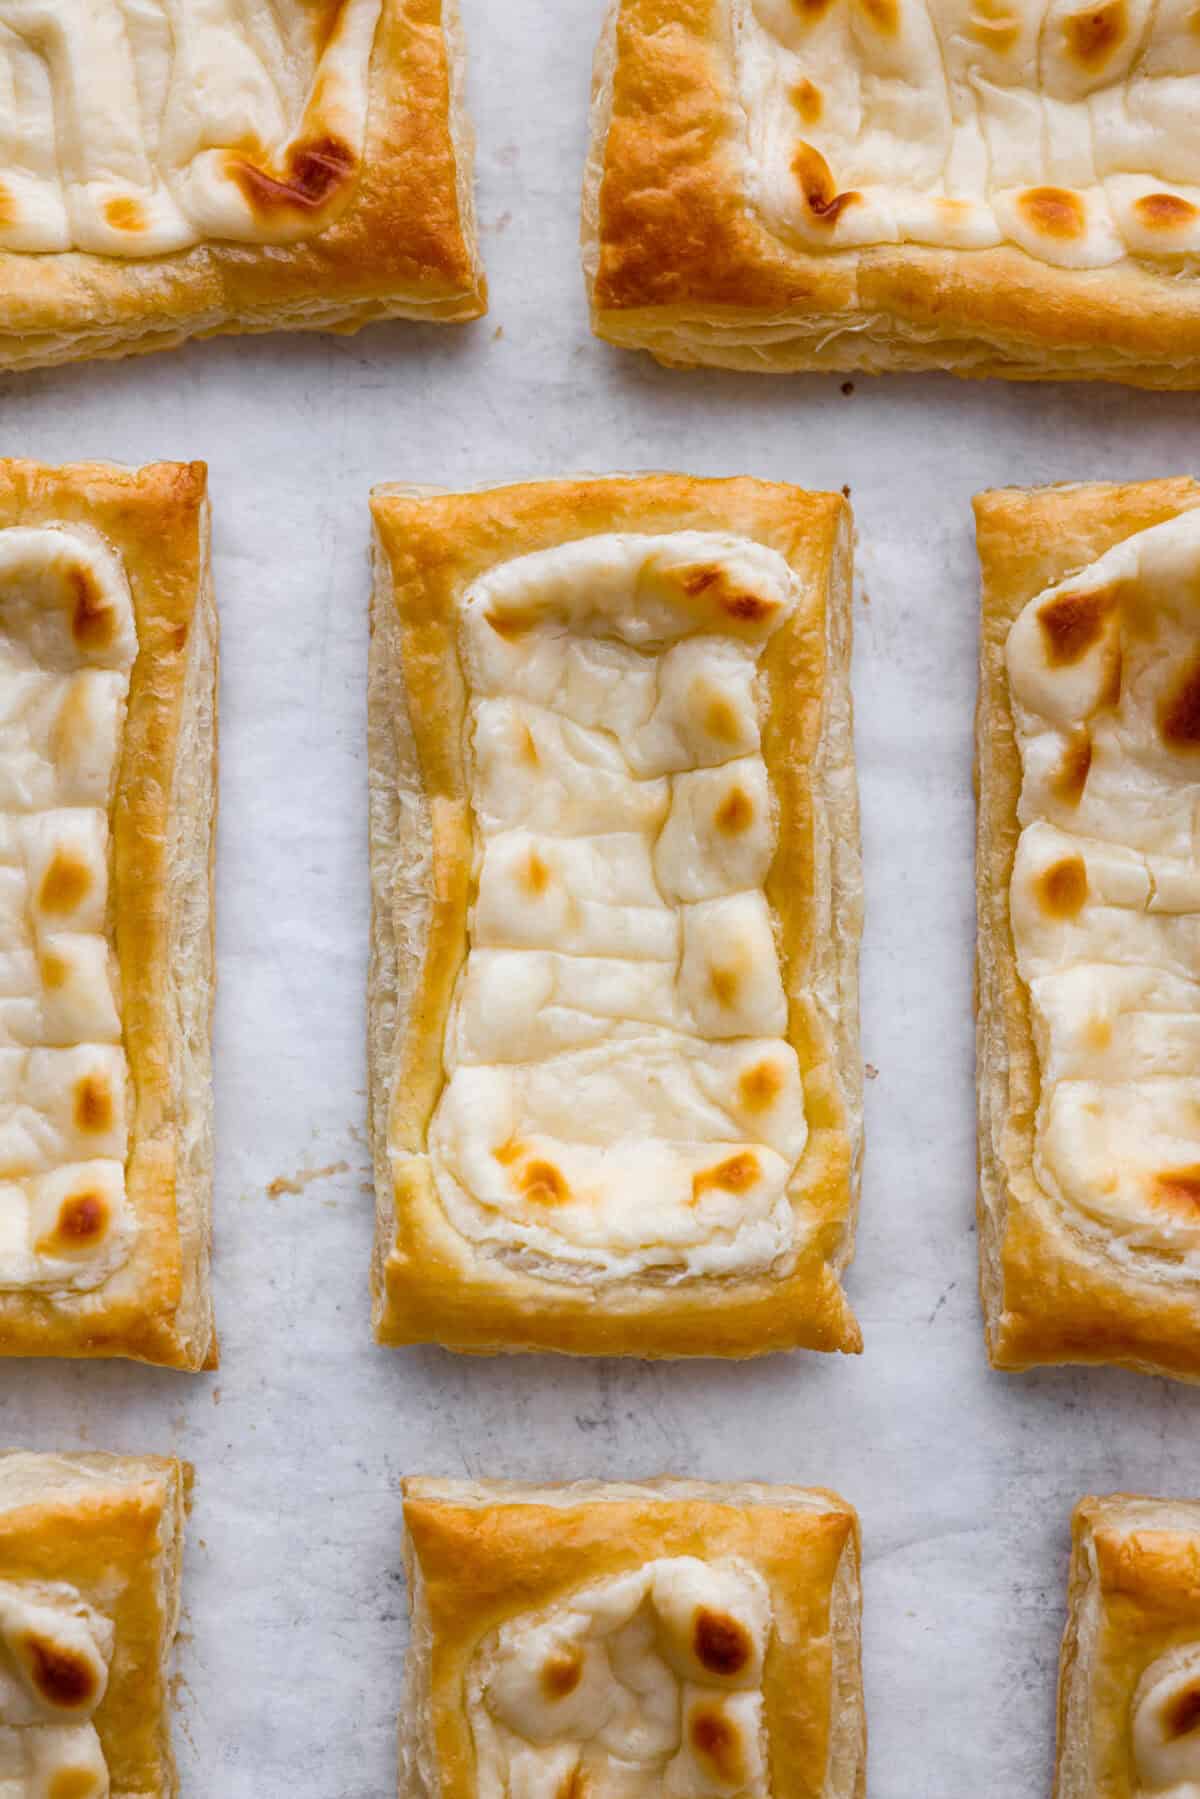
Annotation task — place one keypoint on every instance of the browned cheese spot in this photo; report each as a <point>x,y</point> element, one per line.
<point>1070,777</point>
<point>575,1786</point>
<point>63,1679</point>
<point>1179,713</point>
<point>537,876</point>
<point>1178,1188</point>
<point>717,715</point>
<point>733,601</point>
<point>759,1087</point>
<point>735,1175</point>
<point>529,749</point>
<point>54,971</point>
<point>326,17</point>
<point>1098,1033</point>
<point>508,1153</point>
<point>1165,212</point>
<point>93,1104</point>
<point>1072,624</point>
<point>314,173</point>
<point>82,1221</point>
<point>721,1644</point>
<point>807,100</point>
<point>883,14</point>
<point>724,984</point>
<point>1062,888</point>
<point>1092,35</point>
<point>994,24</point>
<point>126,214</point>
<point>543,1185</point>
<point>735,814</point>
<point>73,1783</point>
<point>717,1742</point>
<point>1054,211</point>
<point>510,624</point>
<point>65,884</point>
<point>816,179</point>
<point>92,623</point>
<point>561,1674</point>
<point>1183,1714</point>
<point>811,10</point>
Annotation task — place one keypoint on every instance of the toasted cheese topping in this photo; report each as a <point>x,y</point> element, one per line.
<point>648,1686</point>
<point>1104,674</point>
<point>55,1652</point>
<point>67,646</point>
<point>620,1095</point>
<point>1069,130</point>
<point>1166,1727</point>
<point>137,127</point>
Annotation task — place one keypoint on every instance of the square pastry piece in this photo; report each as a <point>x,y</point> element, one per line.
<point>996,187</point>
<point>90,1551</point>
<point>1089,925</point>
<point>175,170</point>
<point>1129,1681</point>
<point>671,1640</point>
<point>108,657</point>
<point>614,1045</point>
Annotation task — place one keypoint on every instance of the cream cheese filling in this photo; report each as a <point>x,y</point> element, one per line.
<point>67,647</point>
<point>645,1686</point>
<point>55,1652</point>
<point>1069,130</point>
<point>1104,675</point>
<point>620,1096</point>
<point>138,127</point>
<point>1166,1727</point>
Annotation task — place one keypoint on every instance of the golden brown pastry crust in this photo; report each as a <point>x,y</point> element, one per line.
<point>429,1282</point>
<point>157,1307</point>
<point>479,1553</point>
<point>679,264</point>
<point>112,1527</point>
<point>1134,1595</point>
<point>404,246</point>
<point>1048,1296</point>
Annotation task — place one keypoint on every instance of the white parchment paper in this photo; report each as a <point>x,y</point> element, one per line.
<point>290,1662</point>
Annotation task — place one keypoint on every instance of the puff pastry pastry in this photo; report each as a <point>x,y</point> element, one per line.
<point>666,1640</point>
<point>994,187</point>
<point>174,170</point>
<point>90,1551</point>
<point>108,656</point>
<point>1129,1680</point>
<point>616,1089</point>
<point>1089,909</point>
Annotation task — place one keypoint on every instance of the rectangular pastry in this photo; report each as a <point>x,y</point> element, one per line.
<point>174,171</point>
<point>1089,925</point>
<point>615,1078</point>
<point>994,187</point>
<point>90,1553</point>
<point>1129,1680</point>
<point>108,660</point>
<point>671,1638</point>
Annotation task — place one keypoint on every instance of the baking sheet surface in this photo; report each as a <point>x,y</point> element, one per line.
<point>290,1662</point>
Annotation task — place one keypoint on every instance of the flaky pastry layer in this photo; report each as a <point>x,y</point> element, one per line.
<point>155,1305</point>
<point>441,895</point>
<point>741,1602</point>
<point>876,237</point>
<point>1129,1677</point>
<point>90,1558</point>
<point>227,177</point>
<point>1082,1278</point>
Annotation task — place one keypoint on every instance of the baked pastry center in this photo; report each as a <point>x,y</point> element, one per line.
<point>138,127</point>
<point>67,646</point>
<point>1104,674</point>
<point>648,1685</point>
<point>619,1095</point>
<point>54,1658</point>
<point>1166,1727</point>
<point>1070,131</point>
